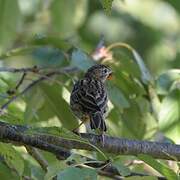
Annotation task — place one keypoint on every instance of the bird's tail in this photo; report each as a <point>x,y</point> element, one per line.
<point>97,121</point>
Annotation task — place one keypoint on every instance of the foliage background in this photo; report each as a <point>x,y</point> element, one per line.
<point>33,32</point>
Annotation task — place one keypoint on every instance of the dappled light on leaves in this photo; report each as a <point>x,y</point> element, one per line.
<point>47,46</point>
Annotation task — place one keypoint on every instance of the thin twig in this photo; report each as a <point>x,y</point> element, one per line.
<point>35,82</point>
<point>23,70</point>
<point>20,81</point>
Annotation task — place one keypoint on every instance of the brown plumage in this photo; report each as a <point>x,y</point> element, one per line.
<point>89,97</point>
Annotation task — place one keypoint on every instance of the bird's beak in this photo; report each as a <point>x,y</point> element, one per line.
<point>110,76</point>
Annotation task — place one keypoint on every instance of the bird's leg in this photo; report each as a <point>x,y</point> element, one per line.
<point>75,130</point>
<point>102,138</point>
<point>84,119</point>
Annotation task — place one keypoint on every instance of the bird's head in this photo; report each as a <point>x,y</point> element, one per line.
<point>99,72</point>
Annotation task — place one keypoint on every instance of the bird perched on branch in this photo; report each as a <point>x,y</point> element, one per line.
<point>88,99</point>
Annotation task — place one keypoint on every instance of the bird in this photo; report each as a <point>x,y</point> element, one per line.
<point>88,99</point>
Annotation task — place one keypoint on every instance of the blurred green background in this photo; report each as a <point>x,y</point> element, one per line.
<point>151,27</point>
<point>61,33</point>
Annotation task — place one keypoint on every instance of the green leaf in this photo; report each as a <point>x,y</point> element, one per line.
<point>36,172</point>
<point>48,57</point>
<point>56,131</point>
<point>137,116</point>
<point>123,170</point>
<point>6,173</point>
<point>159,166</point>
<point>12,158</point>
<point>127,63</point>
<point>76,173</point>
<point>14,114</point>
<point>165,81</point>
<point>133,119</point>
<point>169,114</point>
<point>37,111</point>
<point>145,74</point>
<point>76,158</point>
<point>3,84</point>
<point>67,16</point>
<point>54,169</point>
<point>32,105</point>
<point>56,104</point>
<point>9,22</point>
<point>107,5</point>
<point>127,83</point>
<point>117,97</point>
<point>18,52</point>
<point>54,41</point>
<point>81,60</point>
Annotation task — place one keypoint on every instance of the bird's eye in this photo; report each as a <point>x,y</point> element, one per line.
<point>105,70</point>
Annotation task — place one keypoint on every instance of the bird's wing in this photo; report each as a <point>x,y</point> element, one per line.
<point>91,94</point>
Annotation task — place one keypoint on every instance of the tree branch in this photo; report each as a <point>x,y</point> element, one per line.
<point>120,146</point>
<point>57,146</point>
<point>111,144</point>
<point>14,133</point>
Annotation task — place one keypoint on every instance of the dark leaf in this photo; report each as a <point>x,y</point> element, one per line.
<point>81,60</point>
<point>145,74</point>
<point>165,81</point>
